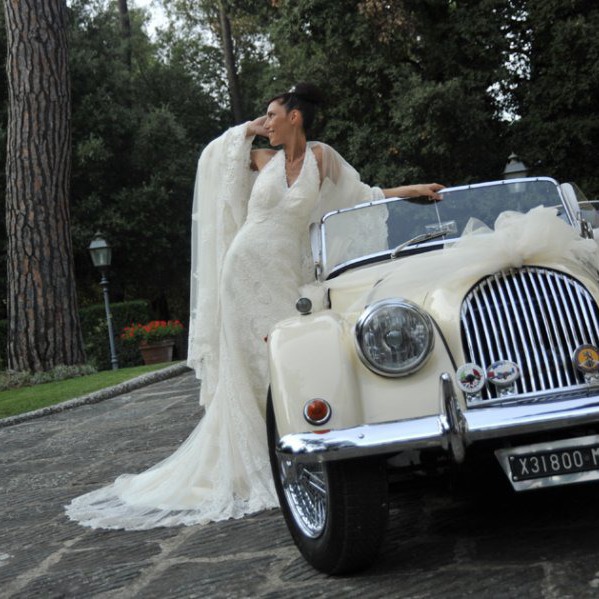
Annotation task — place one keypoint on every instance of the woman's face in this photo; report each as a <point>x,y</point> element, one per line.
<point>279,123</point>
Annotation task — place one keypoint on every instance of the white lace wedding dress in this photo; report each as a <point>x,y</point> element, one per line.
<point>250,259</point>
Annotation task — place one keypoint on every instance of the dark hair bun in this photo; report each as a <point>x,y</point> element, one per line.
<point>304,97</point>
<point>308,92</point>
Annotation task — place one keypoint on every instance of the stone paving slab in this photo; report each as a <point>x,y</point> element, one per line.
<point>482,542</point>
<point>109,392</point>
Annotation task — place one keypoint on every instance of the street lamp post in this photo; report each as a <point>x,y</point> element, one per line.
<point>101,255</point>
<point>515,168</point>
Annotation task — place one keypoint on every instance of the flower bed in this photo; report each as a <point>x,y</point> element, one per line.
<point>152,332</point>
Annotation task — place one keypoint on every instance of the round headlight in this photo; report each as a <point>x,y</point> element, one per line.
<point>394,337</point>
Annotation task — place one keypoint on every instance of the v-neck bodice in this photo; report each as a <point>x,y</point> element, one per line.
<point>299,172</point>
<point>274,199</point>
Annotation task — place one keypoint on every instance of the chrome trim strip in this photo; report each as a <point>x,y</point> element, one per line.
<point>550,328</point>
<point>505,324</point>
<point>492,356</point>
<point>447,240</point>
<point>508,283</point>
<point>581,301</point>
<point>575,308</point>
<point>561,331</point>
<point>452,413</point>
<point>491,323</point>
<point>562,394</point>
<point>451,429</point>
<point>567,315</point>
<point>466,330</point>
<point>361,441</point>
<point>534,330</point>
<point>509,317</point>
<point>449,190</point>
<point>595,320</point>
<point>519,419</point>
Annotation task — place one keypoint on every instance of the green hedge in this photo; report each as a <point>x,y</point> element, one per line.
<point>95,333</point>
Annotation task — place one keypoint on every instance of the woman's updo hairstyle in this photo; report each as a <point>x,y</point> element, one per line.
<point>305,97</point>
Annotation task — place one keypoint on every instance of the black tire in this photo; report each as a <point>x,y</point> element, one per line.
<point>336,512</point>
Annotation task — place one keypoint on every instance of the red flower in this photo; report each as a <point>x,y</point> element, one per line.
<point>156,330</point>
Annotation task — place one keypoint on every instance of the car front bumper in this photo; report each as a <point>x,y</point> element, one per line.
<point>453,429</point>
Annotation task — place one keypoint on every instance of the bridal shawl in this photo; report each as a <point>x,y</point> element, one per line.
<point>223,185</point>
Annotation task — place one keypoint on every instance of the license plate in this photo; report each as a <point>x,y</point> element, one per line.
<point>553,463</point>
<point>549,464</point>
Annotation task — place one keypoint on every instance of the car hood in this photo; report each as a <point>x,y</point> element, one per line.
<point>438,280</point>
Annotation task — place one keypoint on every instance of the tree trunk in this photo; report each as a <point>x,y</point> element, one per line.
<point>229,54</point>
<point>43,319</point>
<point>125,31</point>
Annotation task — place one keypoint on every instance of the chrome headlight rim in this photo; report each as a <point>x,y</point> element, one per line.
<point>404,304</point>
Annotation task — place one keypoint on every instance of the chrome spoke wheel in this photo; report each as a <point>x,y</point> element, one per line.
<point>335,511</point>
<point>306,490</point>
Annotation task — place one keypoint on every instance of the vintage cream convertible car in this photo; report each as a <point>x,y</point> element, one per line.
<point>443,330</point>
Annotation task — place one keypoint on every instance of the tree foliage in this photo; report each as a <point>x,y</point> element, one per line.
<point>557,96</point>
<point>197,36</point>
<point>407,82</point>
<point>416,90</point>
<point>137,133</point>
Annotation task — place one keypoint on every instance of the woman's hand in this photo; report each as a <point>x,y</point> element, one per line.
<point>430,190</point>
<point>256,127</point>
<point>427,189</point>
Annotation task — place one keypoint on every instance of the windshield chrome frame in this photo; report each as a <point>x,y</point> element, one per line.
<point>317,230</point>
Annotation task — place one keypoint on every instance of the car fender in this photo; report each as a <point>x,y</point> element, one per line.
<point>309,357</point>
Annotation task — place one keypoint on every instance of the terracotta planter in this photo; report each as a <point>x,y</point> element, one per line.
<point>157,352</point>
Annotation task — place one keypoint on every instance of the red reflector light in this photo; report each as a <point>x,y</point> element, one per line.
<point>317,411</point>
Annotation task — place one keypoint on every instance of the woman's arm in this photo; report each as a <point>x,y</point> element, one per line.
<point>330,165</point>
<point>256,127</point>
<point>258,158</point>
<point>413,191</point>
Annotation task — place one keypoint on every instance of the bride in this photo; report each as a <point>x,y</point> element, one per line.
<point>250,257</point>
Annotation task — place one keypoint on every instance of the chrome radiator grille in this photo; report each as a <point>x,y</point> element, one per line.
<point>534,317</point>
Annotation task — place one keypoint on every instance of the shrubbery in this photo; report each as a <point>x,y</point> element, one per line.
<point>95,334</point>
<point>13,380</point>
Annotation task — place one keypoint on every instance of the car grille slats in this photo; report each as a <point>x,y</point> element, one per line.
<point>533,316</point>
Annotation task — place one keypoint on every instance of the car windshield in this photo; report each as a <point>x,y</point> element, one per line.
<point>371,232</point>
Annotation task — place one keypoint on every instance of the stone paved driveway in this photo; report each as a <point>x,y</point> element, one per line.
<point>482,543</point>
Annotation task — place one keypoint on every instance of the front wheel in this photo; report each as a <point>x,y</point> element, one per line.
<point>336,512</point>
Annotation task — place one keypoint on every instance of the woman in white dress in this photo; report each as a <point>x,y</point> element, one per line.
<point>252,210</point>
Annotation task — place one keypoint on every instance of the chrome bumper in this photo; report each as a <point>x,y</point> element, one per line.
<point>453,429</point>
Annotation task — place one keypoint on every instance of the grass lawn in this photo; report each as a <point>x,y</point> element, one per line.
<point>26,399</point>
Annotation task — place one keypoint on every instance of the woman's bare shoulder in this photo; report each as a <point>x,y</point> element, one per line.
<point>260,158</point>
<point>324,153</point>
<point>326,158</point>
<point>319,149</point>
